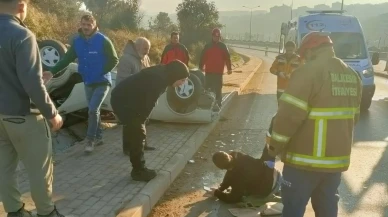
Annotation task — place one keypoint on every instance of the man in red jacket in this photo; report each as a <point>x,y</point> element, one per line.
<point>175,51</point>
<point>213,59</point>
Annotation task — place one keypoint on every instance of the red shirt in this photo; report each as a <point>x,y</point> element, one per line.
<point>175,52</point>
<point>214,58</point>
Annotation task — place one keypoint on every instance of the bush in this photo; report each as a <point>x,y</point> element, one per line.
<point>49,26</point>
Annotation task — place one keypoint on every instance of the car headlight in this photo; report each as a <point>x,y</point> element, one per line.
<point>368,73</point>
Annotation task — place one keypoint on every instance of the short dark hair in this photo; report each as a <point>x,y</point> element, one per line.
<point>290,44</point>
<point>174,33</point>
<point>88,17</point>
<point>221,160</point>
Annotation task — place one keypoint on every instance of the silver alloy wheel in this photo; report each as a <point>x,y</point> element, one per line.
<point>50,56</point>
<point>186,90</point>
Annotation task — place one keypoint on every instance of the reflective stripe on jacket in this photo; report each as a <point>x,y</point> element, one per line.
<point>313,128</point>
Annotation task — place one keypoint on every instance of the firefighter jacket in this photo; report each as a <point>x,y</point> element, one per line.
<point>286,65</point>
<point>313,128</point>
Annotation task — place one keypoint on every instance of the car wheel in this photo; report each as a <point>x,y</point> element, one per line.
<point>199,74</point>
<point>51,52</point>
<point>184,99</point>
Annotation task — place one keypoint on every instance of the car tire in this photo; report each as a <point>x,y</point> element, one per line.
<point>51,52</point>
<point>199,74</point>
<point>365,105</point>
<point>187,93</point>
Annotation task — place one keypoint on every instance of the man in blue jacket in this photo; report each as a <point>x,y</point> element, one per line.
<point>96,59</point>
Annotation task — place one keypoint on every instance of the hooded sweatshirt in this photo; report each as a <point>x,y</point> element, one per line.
<point>131,62</point>
<point>136,95</point>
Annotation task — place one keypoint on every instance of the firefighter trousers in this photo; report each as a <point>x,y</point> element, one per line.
<point>301,185</point>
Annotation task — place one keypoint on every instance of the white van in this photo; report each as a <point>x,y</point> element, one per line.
<point>349,43</point>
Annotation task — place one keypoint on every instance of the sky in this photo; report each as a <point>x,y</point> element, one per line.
<point>169,6</point>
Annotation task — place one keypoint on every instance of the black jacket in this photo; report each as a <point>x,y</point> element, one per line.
<point>249,176</point>
<point>136,96</point>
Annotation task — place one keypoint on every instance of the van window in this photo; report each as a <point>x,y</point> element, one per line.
<point>348,45</point>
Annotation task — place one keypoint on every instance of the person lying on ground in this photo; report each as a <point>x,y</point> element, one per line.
<point>247,176</point>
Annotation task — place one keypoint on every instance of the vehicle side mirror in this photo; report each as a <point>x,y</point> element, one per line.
<point>375,58</point>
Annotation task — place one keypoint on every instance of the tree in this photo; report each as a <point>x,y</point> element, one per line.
<point>63,9</point>
<point>115,14</point>
<point>196,20</point>
<point>162,24</point>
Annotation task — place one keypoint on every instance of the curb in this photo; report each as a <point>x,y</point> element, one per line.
<point>141,206</point>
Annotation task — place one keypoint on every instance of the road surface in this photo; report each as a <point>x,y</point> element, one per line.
<point>363,189</point>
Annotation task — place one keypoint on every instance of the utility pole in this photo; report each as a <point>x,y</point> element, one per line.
<point>250,23</point>
<point>292,5</point>
<point>342,5</point>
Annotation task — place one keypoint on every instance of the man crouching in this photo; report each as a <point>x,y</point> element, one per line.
<point>132,101</point>
<point>247,176</point>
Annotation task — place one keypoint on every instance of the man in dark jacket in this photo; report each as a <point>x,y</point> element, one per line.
<point>213,59</point>
<point>175,51</point>
<point>132,101</point>
<point>246,176</point>
<point>96,59</point>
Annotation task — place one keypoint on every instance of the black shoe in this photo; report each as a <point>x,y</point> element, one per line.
<point>149,148</point>
<point>143,175</point>
<point>54,213</point>
<point>20,213</point>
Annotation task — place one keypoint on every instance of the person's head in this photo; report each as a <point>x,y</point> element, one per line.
<point>16,8</point>
<point>223,160</point>
<point>177,73</point>
<point>312,43</point>
<point>88,25</point>
<point>143,46</point>
<point>216,34</point>
<point>290,47</point>
<point>174,37</point>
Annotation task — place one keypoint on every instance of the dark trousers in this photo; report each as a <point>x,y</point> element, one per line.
<point>301,185</point>
<point>134,134</point>
<point>213,81</point>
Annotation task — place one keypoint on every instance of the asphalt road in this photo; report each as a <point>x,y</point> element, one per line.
<point>363,190</point>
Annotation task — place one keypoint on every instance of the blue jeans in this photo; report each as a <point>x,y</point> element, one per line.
<point>95,95</point>
<point>300,185</point>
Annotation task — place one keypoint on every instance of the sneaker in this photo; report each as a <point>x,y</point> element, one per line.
<point>54,213</point>
<point>89,146</point>
<point>21,213</point>
<point>143,175</point>
<point>99,142</point>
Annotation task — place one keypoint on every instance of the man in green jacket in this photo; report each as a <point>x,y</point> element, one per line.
<point>96,59</point>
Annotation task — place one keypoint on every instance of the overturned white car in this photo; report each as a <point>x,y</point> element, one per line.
<point>189,103</point>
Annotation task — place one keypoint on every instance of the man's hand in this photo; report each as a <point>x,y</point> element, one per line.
<point>229,72</point>
<point>282,75</point>
<point>56,123</point>
<point>47,75</point>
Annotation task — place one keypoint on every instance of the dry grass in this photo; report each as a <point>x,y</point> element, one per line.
<point>49,26</point>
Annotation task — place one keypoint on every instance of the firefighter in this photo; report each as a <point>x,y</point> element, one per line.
<point>214,57</point>
<point>284,65</point>
<point>313,128</point>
